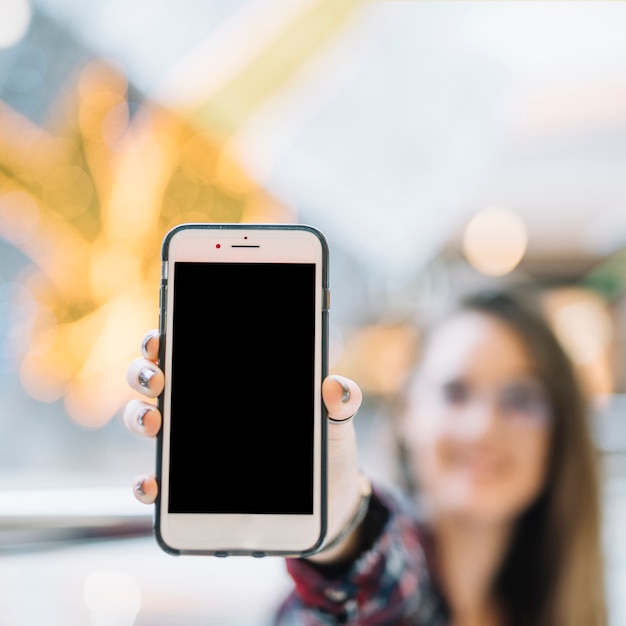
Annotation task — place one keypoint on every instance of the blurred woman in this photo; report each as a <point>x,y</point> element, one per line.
<point>503,527</point>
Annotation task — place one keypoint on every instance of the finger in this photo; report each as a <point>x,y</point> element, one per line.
<point>142,418</point>
<point>145,377</point>
<point>342,397</point>
<point>145,488</point>
<point>150,345</point>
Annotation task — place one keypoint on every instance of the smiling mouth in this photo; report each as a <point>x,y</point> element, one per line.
<point>481,467</point>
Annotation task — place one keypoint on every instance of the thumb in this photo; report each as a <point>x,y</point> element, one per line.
<point>342,398</point>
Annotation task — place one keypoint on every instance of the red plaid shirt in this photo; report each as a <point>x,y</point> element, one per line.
<point>389,584</point>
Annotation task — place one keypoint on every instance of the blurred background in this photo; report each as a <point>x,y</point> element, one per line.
<point>440,146</point>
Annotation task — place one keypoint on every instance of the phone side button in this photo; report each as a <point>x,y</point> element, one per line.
<point>326,300</point>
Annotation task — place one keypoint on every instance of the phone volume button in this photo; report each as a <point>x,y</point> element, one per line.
<point>162,307</point>
<point>326,300</point>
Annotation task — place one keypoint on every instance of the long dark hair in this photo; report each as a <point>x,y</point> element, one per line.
<point>553,573</point>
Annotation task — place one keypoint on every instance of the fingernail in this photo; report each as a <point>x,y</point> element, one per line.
<point>346,391</point>
<point>145,376</point>
<point>139,488</point>
<point>141,416</point>
<point>145,342</point>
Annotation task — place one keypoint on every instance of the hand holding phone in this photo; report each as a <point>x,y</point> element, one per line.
<point>236,469</point>
<point>143,418</point>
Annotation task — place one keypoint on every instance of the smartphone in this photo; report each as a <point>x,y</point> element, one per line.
<point>241,455</point>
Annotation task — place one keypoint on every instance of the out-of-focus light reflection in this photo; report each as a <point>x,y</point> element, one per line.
<point>263,209</point>
<point>380,357</point>
<point>495,241</point>
<point>96,390</point>
<point>113,267</point>
<point>19,217</point>
<point>586,328</point>
<point>90,207</point>
<point>70,188</point>
<point>15,16</point>
<point>583,325</point>
<point>101,88</point>
<point>228,172</point>
<point>112,598</point>
<point>116,127</point>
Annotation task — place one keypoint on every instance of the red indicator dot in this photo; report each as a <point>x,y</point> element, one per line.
<point>218,245</point>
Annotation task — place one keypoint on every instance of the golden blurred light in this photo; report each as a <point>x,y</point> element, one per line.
<point>18,138</point>
<point>43,379</point>
<point>102,83</point>
<point>380,357</point>
<point>582,322</point>
<point>585,328</point>
<point>96,391</point>
<point>261,208</point>
<point>230,174</point>
<point>89,206</point>
<point>61,255</point>
<point>495,241</point>
<point>113,598</point>
<point>181,195</point>
<point>19,217</point>
<point>198,156</point>
<point>101,87</point>
<point>15,16</point>
<point>135,195</point>
<point>48,364</point>
<point>115,124</point>
<point>120,133</point>
<point>69,189</point>
<point>38,323</point>
<point>58,151</point>
<point>114,267</point>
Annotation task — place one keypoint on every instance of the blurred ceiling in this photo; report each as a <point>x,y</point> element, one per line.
<point>406,117</point>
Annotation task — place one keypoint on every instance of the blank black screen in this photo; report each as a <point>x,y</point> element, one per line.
<point>242,408</point>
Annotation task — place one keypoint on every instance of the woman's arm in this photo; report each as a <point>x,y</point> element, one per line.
<point>387,583</point>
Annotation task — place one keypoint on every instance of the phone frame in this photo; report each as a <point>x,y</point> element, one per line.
<point>187,533</point>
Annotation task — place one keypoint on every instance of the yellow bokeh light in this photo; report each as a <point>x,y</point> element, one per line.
<point>495,241</point>
<point>69,189</point>
<point>98,389</point>
<point>198,157</point>
<point>19,217</point>
<point>585,328</point>
<point>100,89</point>
<point>89,205</point>
<point>113,268</point>
<point>230,173</point>
<point>380,357</point>
<point>582,322</point>
<point>262,208</point>
<point>120,133</point>
<point>102,84</point>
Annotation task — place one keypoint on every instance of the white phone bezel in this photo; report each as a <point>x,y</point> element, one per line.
<point>239,533</point>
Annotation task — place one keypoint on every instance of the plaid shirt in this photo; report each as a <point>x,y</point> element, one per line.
<point>390,584</point>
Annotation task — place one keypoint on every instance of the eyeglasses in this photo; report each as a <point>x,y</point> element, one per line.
<point>523,401</point>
